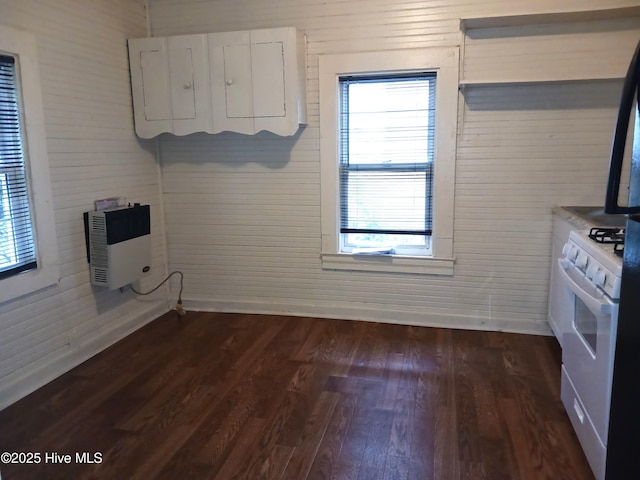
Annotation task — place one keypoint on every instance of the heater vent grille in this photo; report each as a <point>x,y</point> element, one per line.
<point>99,254</point>
<point>99,275</point>
<point>98,224</point>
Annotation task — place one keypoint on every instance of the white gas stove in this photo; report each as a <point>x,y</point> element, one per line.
<point>590,277</point>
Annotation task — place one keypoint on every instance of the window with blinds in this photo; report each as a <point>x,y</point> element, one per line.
<point>386,153</point>
<point>17,249</point>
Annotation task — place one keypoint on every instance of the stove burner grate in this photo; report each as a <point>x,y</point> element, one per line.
<point>607,235</point>
<point>618,249</point>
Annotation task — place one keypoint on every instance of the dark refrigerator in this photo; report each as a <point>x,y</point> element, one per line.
<point>623,446</point>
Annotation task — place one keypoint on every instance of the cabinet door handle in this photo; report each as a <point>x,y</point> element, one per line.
<point>578,410</point>
<point>229,82</point>
<point>187,86</point>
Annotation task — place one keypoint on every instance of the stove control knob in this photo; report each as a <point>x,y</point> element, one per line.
<point>591,271</point>
<point>581,261</point>
<point>566,248</point>
<point>600,278</point>
<point>571,252</point>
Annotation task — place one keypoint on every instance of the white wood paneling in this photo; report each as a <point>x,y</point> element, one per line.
<point>243,212</point>
<point>93,153</point>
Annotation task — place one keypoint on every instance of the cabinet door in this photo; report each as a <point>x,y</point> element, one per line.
<point>257,80</point>
<point>169,82</point>
<point>150,86</point>
<point>153,67</point>
<point>183,100</point>
<point>189,83</point>
<point>267,66</point>
<point>278,56</point>
<point>237,86</point>
<point>231,87</point>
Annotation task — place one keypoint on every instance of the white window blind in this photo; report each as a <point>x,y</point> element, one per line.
<point>17,250</point>
<point>386,154</point>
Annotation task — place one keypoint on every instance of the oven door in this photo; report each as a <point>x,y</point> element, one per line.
<point>589,343</point>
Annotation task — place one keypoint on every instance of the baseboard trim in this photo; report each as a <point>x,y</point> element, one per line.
<point>21,386</point>
<point>403,317</point>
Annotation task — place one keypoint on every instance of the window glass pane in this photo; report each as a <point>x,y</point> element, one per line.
<point>382,240</point>
<point>17,249</point>
<point>373,198</point>
<point>390,121</point>
<point>586,324</point>
<point>7,246</point>
<point>387,131</point>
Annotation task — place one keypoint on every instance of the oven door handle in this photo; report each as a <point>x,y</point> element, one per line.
<point>596,305</point>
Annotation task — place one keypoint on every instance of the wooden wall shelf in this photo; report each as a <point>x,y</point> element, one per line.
<point>506,82</point>
<point>547,18</point>
<point>548,48</point>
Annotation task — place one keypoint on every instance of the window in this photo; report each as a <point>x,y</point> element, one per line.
<point>388,136</point>
<point>386,130</point>
<point>28,247</point>
<point>17,250</point>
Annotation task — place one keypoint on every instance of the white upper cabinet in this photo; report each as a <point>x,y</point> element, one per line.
<point>170,79</point>
<point>258,80</point>
<point>243,82</point>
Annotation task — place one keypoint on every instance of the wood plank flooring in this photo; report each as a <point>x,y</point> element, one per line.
<point>234,396</point>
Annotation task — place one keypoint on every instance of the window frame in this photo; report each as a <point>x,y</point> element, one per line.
<point>22,46</point>
<point>15,206</point>
<point>445,62</point>
<point>385,170</point>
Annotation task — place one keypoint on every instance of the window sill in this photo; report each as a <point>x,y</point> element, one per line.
<point>388,263</point>
<point>29,282</point>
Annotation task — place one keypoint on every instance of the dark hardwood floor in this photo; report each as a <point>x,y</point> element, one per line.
<point>231,396</point>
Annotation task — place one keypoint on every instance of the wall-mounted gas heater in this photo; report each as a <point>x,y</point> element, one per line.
<point>118,245</point>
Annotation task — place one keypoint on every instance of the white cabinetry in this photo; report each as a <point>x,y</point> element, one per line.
<point>258,80</point>
<point>243,82</point>
<point>170,82</point>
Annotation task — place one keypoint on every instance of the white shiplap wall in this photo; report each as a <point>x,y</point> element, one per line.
<point>93,153</point>
<point>243,213</point>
